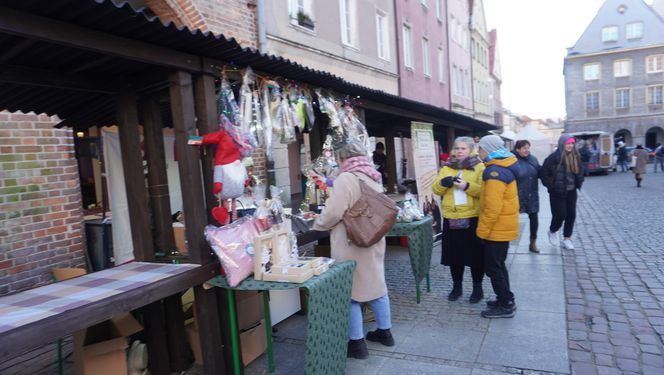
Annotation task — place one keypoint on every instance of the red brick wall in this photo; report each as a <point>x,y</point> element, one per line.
<point>232,18</point>
<point>41,219</point>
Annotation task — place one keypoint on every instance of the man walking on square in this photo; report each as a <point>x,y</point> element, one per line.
<point>499,221</point>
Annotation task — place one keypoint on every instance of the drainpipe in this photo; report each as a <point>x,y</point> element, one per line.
<point>260,20</point>
<point>472,74</point>
<point>397,34</point>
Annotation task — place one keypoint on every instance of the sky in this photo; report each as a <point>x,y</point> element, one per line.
<point>533,37</point>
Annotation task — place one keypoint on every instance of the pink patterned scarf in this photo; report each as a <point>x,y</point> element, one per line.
<point>361,164</point>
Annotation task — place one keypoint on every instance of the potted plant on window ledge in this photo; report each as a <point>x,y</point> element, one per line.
<point>304,20</point>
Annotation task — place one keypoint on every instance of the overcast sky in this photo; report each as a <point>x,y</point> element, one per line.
<point>532,39</point>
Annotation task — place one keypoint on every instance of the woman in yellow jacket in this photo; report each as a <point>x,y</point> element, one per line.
<point>499,221</point>
<point>458,183</point>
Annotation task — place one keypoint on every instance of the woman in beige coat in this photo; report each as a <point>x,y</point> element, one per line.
<point>369,276</point>
<point>641,156</point>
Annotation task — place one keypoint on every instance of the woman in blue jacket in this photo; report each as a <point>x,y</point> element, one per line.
<point>528,186</point>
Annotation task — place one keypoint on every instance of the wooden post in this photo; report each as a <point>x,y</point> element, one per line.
<point>157,176</point>
<point>391,161</point>
<point>207,121</point>
<point>132,164</point>
<point>184,122</point>
<point>163,230</point>
<point>155,337</point>
<point>450,139</point>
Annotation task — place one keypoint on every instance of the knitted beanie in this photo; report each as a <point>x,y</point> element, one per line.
<point>491,143</point>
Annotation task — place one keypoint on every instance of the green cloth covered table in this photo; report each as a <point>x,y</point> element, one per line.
<point>420,246</point>
<point>328,303</point>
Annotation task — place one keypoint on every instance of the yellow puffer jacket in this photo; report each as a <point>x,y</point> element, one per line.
<point>499,201</point>
<point>474,179</point>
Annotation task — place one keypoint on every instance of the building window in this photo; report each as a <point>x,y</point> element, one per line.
<point>591,71</point>
<point>655,94</point>
<point>301,13</point>
<point>426,65</point>
<point>610,34</point>
<point>622,98</point>
<point>455,80</point>
<point>634,30</point>
<point>592,101</point>
<point>382,35</point>
<point>622,68</point>
<point>654,64</point>
<point>441,65</point>
<point>407,46</point>
<point>348,34</point>
<point>439,10</point>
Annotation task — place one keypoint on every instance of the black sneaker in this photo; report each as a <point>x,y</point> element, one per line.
<point>498,312</point>
<point>455,293</point>
<point>383,336</point>
<point>494,303</point>
<point>357,349</point>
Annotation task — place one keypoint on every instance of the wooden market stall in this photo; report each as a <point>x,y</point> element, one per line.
<point>101,63</point>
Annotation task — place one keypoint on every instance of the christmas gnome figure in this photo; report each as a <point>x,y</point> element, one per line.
<point>230,175</point>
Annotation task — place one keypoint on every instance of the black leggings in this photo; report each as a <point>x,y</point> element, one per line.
<point>563,209</point>
<point>534,224</point>
<point>457,273</point>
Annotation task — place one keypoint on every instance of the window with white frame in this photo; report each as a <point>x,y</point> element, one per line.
<point>426,64</point>
<point>622,68</point>
<point>407,46</point>
<point>610,34</point>
<point>466,86</point>
<point>441,65</point>
<point>622,98</point>
<point>592,101</point>
<point>347,9</point>
<point>301,12</point>
<point>655,94</point>
<point>634,30</point>
<point>591,71</point>
<point>439,10</point>
<point>382,35</point>
<point>654,63</point>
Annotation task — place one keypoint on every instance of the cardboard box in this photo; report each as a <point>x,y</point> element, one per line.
<point>180,241</point>
<point>101,349</point>
<point>292,268</point>
<point>61,274</point>
<point>253,342</point>
<point>250,308</point>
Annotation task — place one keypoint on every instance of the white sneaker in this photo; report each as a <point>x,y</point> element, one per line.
<point>567,244</point>
<point>553,238</point>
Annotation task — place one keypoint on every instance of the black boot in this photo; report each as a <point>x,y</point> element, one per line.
<point>456,292</point>
<point>357,349</point>
<point>638,182</point>
<point>383,336</point>
<point>477,294</point>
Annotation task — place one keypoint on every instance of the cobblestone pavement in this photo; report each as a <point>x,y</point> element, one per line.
<point>614,281</point>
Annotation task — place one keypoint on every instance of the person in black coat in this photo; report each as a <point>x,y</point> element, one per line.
<point>562,174</point>
<point>528,186</point>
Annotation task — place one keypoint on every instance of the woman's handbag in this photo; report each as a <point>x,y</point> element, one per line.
<point>370,218</point>
<point>459,223</point>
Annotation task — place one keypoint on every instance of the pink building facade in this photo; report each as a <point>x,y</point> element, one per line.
<point>422,46</point>
<point>460,63</point>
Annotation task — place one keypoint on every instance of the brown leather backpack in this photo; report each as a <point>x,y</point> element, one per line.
<point>370,218</point>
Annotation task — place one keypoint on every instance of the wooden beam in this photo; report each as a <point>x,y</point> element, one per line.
<point>32,26</point>
<point>450,139</point>
<point>30,336</point>
<point>207,122</point>
<point>132,164</point>
<point>391,154</point>
<point>191,182</point>
<point>16,49</point>
<point>178,352</point>
<point>47,78</point>
<point>160,201</point>
<point>184,123</point>
<point>155,338</point>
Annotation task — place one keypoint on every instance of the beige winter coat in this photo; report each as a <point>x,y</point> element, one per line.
<point>641,156</point>
<point>369,275</point>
